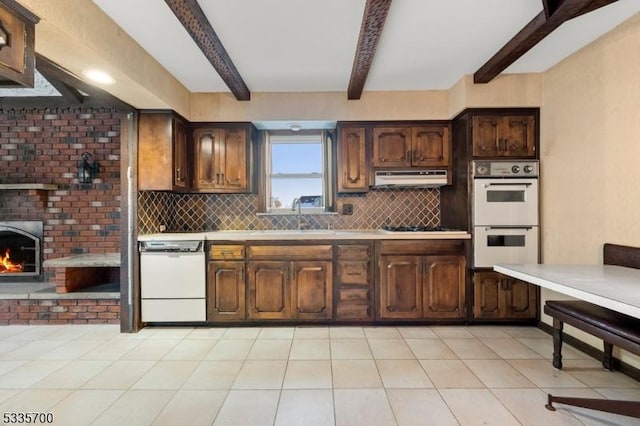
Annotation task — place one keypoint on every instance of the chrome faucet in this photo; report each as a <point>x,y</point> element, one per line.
<point>299,214</point>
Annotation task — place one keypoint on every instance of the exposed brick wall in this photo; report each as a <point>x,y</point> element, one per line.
<point>60,311</point>
<point>44,146</point>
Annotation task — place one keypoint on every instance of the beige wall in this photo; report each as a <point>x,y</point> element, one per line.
<point>590,148</point>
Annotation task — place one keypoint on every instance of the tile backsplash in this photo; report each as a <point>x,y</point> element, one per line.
<point>210,212</point>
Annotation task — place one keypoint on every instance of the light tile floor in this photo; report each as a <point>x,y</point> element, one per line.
<point>490,375</point>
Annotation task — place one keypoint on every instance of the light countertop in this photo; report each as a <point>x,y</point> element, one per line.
<point>304,235</point>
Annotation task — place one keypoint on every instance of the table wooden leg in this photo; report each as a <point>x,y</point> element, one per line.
<point>557,343</point>
<point>608,357</point>
<point>626,408</point>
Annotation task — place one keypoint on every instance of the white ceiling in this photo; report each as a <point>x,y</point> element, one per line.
<point>309,45</point>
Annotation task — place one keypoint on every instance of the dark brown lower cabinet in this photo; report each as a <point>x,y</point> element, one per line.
<point>444,287</point>
<point>401,287</point>
<point>499,297</point>
<point>290,290</point>
<point>422,287</point>
<point>269,290</point>
<point>354,282</point>
<point>226,291</point>
<point>311,290</point>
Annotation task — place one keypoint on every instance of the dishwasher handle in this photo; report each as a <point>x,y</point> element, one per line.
<point>171,247</point>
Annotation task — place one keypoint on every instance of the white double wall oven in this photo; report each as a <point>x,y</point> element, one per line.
<point>505,212</point>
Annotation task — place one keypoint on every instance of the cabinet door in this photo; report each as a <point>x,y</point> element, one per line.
<point>431,146</point>
<point>518,136</point>
<point>311,290</point>
<point>485,136</point>
<point>400,287</point>
<point>392,147</point>
<point>352,165</point>
<point>180,155</point>
<point>269,293</point>
<point>155,151</point>
<point>207,154</point>
<point>226,291</point>
<point>521,299</point>
<point>444,287</point>
<point>221,157</point>
<point>488,295</point>
<point>233,160</point>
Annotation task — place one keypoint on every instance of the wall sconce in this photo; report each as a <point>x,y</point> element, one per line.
<point>87,168</point>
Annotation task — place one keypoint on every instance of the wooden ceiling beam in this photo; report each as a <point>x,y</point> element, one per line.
<point>373,19</point>
<point>550,6</point>
<point>199,28</point>
<point>532,33</point>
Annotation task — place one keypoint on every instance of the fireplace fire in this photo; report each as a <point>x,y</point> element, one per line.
<point>20,255</point>
<point>7,266</point>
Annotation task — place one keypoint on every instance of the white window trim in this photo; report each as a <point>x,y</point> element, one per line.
<point>295,139</point>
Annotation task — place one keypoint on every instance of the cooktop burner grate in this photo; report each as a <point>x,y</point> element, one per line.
<point>416,229</point>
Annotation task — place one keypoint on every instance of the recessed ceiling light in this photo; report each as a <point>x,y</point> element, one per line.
<point>99,76</point>
<point>295,127</point>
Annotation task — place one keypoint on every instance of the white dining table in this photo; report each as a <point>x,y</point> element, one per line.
<point>613,287</point>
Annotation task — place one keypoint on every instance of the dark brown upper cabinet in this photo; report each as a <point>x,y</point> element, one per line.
<point>412,146</point>
<point>353,170</point>
<point>223,158</point>
<point>163,154</point>
<point>17,45</point>
<point>392,146</point>
<point>504,136</point>
<point>431,146</point>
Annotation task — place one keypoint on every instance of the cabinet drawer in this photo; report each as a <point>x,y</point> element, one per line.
<point>421,247</point>
<point>226,252</point>
<point>291,252</point>
<point>356,272</point>
<point>353,251</point>
<point>353,311</point>
<point>354,294</point>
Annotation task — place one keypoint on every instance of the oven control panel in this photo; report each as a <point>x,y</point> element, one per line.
<point>505,168</point>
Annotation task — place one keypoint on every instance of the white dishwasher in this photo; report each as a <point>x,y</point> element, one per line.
<point>173,281</point>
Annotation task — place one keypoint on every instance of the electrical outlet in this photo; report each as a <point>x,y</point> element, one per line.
<point>163,228</point>
<point>347,209</point>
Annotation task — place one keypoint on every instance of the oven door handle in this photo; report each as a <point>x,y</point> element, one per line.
<point>525,184</point>
<point>508,227</point>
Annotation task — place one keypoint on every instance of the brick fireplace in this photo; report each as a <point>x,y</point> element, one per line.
<point>39,153</point>
<point>43,146</point>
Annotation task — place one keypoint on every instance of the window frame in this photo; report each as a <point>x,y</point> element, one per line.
<point>311,137</point>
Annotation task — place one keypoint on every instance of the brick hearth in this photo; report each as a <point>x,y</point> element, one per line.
<point>60,311</point>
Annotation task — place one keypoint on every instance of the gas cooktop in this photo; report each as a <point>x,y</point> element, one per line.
<point>410,228</point>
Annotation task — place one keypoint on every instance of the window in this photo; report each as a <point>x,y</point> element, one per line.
<point>296,168</point>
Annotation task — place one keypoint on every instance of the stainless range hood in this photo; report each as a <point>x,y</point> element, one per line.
<point>410,178</point>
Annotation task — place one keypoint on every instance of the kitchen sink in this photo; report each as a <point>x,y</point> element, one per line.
<point>293,232</point>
